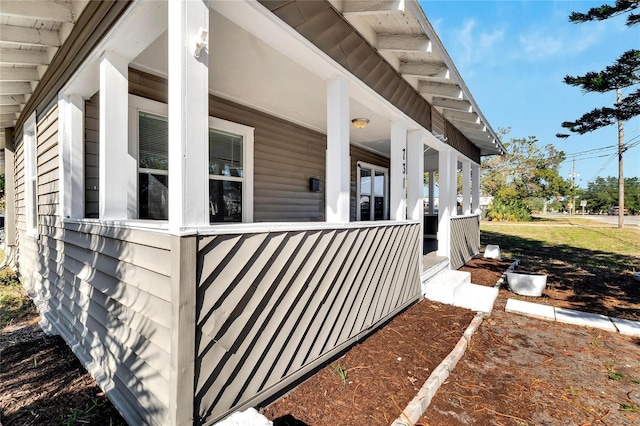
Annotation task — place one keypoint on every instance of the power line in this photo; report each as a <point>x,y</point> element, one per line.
<point>603,167</point>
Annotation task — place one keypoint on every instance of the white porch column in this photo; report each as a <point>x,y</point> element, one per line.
<point>398,165</point>
<point>71,129</point>
<point>115,183</point>
<point>475,189</point>
<point>415,171</point>
<point>447,165</point>
<point>466,187</point>
<point>432,186</point>
<point>188,116</point>
<point>338,177</point>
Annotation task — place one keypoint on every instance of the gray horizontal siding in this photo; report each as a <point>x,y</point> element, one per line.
<point>106,290</point>
<point>286,156</point>
<point>272,306</point>
<point>465,239</point>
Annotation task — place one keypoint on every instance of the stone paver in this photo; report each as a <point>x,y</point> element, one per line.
<point>530,309</point>
<point>627,327</point>
<point>569,316</point>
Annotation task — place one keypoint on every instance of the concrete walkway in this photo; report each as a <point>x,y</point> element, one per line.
<point>569,316</point>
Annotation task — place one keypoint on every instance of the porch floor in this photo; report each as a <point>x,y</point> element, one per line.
<point>429,257</point>
<point>432,264</point>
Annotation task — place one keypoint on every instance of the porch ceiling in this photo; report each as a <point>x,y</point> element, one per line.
<point>400,31</point>
<point>31,32</point>
<point>247,70</point>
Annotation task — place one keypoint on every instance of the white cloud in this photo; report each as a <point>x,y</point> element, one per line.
<point>476,46</point>
<point>545,43</point>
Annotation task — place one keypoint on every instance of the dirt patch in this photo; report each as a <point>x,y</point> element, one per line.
<point>43,383</point>
<point>523,371</point>
<point>383,373</point>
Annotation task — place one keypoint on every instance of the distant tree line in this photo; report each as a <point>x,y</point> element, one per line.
<point>602,194</point>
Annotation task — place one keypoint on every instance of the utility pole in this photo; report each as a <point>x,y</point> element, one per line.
<point>620,167</point>
<point>573,176</point>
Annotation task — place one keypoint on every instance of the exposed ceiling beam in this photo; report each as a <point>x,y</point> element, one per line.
<point>7,109</point>
<point>403,43</point>
<point>441,89</point>
<point>468,125</point>
<point>455,104</point>
<point>23,57</point>
<point>30,36</point>
<point>12,99</point>
<point>425,69</point>
<point>18,74</point>
<point>477,135</point>
<point>471,117</point>
<point>13,88</point>
<point>38,9</point>
<point>370,7</point>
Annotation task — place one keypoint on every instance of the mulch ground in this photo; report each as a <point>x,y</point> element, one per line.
<point>383,373</point>
<point>516,371</point>
<point>42,382</point>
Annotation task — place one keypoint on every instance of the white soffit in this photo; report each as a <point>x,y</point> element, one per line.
<point>31,32</point>
<point>401,33</point>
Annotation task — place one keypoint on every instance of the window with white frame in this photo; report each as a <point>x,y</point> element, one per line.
<point>148,121</point>
<point>372,192</point>
<point>31,174</point>
<point>230,171</point>
<point>230,164</point>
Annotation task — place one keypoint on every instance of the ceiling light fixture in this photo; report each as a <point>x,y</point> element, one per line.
<point>360,123</point>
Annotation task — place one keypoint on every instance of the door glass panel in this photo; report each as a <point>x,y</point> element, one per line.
<point>365,194</point>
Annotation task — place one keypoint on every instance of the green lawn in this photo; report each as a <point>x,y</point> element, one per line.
<point>574,240</point>
<point>14,302</point>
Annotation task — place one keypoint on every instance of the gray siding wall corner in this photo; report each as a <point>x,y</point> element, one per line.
<point>271,307</point>
<point>106,290</point>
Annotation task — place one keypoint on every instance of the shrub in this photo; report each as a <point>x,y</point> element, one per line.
<point>510,210</point>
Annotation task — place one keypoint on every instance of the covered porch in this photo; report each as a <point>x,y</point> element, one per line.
<point>290,232</point>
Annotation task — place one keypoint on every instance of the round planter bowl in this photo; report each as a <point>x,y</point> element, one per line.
<point>527,284</point>
<point>492,251</point>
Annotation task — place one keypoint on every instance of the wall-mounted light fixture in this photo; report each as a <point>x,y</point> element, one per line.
<point>199,42</point>
<point>360,123</point>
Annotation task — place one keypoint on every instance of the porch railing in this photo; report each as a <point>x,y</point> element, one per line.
<point>272,306</point>
<point>465,239</point>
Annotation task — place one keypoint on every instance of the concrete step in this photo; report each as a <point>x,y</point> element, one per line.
<point>442,287</point>
<point>434,270</point>
<point>476,297</point>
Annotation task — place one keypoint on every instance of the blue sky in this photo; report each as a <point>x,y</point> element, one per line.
<point>513,56</point>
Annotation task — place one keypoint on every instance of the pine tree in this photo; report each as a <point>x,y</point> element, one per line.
<point>624,73</point>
